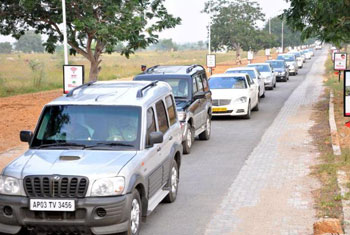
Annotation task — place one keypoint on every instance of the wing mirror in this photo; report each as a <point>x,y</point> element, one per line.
<point>199,95</point>
<point>155,138</point>
<point>26,136</point>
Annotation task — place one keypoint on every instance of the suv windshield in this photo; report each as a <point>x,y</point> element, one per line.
<point>248,71</point>
<point>227,83</point>
<point>260,67</point>
<point>88,126</point>
<point>286,57</point>
<point>276,64</point>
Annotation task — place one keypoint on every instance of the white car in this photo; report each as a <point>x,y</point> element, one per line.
<point>291,61</point>
<point>267,73</point>
<point>254,74</point>
<point>233,95</point>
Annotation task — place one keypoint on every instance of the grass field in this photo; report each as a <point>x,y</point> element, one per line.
<point>26,73</point>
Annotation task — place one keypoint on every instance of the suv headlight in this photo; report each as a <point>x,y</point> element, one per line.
<point>108,187</point>
<point>9,185</point>
<point>242,99</point>
<point>181,115</point>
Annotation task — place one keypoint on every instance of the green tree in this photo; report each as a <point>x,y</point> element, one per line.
<point>5,48</point>
<point>234,24</point>
<point>327,20</point>
<point>29,42</point>
<point>103,22</point>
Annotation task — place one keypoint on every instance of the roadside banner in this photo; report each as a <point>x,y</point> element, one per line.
<point>73,76</point>
<point>211,61</point>
<point>267,52</point>
<point>333,52</point>
<point>347,93</point>
<point>250,55</point>
<point>340,61</point>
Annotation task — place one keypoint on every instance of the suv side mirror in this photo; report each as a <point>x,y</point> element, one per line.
<point>155,138</point>
<point>199,95</point>
<point>26,136</point>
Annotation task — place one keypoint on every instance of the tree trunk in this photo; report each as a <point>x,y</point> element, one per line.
<point>238,54</point>
<point>94,70</point>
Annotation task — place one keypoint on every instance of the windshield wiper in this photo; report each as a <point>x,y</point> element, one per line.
<point>61,144</point>
<point>108,145</point>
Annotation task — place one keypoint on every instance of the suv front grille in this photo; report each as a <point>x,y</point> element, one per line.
<point>221,102</point>
<point>55,186</point>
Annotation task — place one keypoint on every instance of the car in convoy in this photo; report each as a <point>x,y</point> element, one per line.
<point>307,54</point>
<point>253,74</point>
<point>101,157</point>
<point>267,74</point>
<point>291,61</point>
<point>234,94</point>
<point>299,58</point>
<point>192,96</point>
<point>280,68</point>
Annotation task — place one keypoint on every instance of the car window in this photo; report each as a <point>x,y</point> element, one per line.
<point>151,124</point>
<point>261,67</point>
<point>171,109</point>
<point>227,83</point>
<point>205,82</point>
<point>195,89</point>
<point>199,82</point>
<point>250,81</point>
<point>162,117</point>
<point>247,71</point>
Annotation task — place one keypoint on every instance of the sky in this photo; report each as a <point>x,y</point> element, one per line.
<point>194,23</point>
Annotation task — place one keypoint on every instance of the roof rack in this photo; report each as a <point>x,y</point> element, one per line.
<point>70,93</point>
<point>189,69</point>
<point>139,92</point>
<point>150,69</point>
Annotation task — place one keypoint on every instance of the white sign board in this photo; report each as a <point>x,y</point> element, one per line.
<point>250,55</point>
<point>73,76</point>
<point>347,93</point>
<point>333,52</point>
<point>267,52</point>
<point>340,60</point>
<point>211,61</point>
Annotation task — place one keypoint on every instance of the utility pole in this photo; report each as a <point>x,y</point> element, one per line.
<point>269,25</point>
<point>65,32</point>
<point>209,43</point>
<point>282,38</point>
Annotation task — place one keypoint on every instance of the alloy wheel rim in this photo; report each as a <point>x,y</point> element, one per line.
<point>135,216</point>
<point>208,126</point>
<point>173,180</point>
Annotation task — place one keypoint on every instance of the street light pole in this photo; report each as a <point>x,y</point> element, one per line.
<point>209,43</point>
<point>65,32</point>
<point>282,38</point>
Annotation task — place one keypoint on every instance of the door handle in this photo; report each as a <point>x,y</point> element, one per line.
<point>158,149</point>
<point>170,137</point>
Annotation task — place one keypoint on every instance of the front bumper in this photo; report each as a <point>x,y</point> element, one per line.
<point>83,219</point>
<point>268,84</point>
<point>292,70</point>
<point>281,77</point>
<point>231,110</point>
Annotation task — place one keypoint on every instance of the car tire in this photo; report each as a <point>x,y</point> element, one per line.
<point>247,116</point>
<point>135,214</point>
<point>256,108</point>
<point>173,183</point>
<point>263,95</point>
<point>274,84</point>
<point>285,79</point>
<point>205,135</point>
<point>187,144</point>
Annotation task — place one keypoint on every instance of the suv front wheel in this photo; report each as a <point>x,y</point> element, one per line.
<point>135,214</point>
<point>187,144</point>
<point>173,183</point>
<point>205,135</point>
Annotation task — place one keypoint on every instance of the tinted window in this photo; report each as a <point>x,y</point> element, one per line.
<point>180,86</point>
<point>195,89</point>
<point>81,124</point>
<point>171,109</point>
<point>205,82</point>
<point>251,73</point>
<point>276,64</point>
<point>151,124</point>
<point>227,83</point>
<point>286,57</point>
<point>199,83</point>
<point>162,117</point>
<point>261,67</point>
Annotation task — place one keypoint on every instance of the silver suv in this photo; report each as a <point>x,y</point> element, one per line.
<point>101,157</point>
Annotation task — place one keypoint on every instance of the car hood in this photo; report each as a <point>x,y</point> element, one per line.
<point>279,70</point>
<point>265,74</point>
<point>182,104</point>
<point>221,94</point>
<point>290,62</point>
<point>86,163</point>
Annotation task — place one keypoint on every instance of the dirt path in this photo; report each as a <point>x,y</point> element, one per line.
<point>22,112</point>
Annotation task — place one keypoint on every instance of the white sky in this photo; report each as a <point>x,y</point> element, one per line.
<point>194,23</point>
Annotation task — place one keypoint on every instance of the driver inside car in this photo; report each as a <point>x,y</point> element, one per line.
<point>124,129</point>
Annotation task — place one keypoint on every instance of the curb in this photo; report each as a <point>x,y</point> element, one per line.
<point>333,126</point>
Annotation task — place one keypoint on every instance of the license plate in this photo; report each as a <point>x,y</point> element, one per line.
<point>52,205</point>
<point>219,109</point>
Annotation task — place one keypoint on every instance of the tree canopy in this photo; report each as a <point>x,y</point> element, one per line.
<point>5,48</point>
<point>29,42</point>
<point>103,22</point>
<point>327,20</point>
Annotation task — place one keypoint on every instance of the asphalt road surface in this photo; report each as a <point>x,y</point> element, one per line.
<point>213,165</point>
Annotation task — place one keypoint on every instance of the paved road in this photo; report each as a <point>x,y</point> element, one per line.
<point>211,168</point>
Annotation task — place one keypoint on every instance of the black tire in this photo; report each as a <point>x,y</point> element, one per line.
<point>247,116</point>
<point>205,135</point>
<point>285,79</point>
<point>263,95</point>
<point>187,145</point>
<point>274,85</point>
<point>135,196</point>
<point>173,183</point>
<point>256,108</point>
